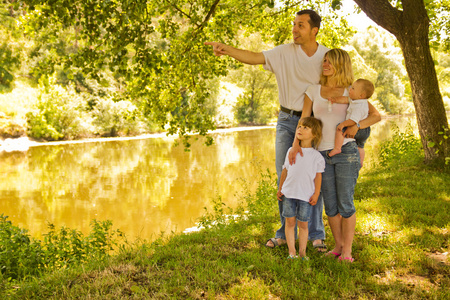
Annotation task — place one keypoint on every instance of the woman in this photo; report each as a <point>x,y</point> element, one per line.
<point>341,171</point>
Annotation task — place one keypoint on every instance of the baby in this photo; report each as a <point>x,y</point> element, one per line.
<point>358,109</point>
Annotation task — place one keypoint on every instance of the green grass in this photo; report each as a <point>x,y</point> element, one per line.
<point>403,231</point>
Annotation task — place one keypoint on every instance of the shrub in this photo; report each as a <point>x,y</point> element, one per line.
<point>445,134</point>
<point>58,113</point>
<point>264,200</point>
<point>261,203</point>
<point>402,147</point>
<point>9,60</point>
<point>112,117</point>
<point>250,111</point>
<point>21,255</point>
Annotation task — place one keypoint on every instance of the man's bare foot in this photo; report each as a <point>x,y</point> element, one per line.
<point>320,246</point>
<point>273,242</point>
<point>334,152</point>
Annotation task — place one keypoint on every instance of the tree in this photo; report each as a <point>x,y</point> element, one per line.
<point>10,57</point>
<point>158,46</point>
<point>409,22</point>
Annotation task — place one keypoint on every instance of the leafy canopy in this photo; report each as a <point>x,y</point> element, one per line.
<point>157,46</point>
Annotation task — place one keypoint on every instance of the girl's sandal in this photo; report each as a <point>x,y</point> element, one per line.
<point>292,256</point>
<point>305,258</point>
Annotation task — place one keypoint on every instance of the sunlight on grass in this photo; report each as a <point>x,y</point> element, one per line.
<point>373,222</point>
<point>409,281</point>
<point>373,219</point>
<point>249,288</point>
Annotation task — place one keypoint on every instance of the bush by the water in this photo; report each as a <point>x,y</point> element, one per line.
<point>402,147</point>
<point>61,113</point>
<point>58,114</point>
<point>22,256</point>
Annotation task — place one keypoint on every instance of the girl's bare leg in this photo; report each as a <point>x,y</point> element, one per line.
<point>302,237</point>
<point>290,235</point>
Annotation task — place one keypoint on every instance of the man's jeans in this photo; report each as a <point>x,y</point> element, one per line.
<point>286,126</point>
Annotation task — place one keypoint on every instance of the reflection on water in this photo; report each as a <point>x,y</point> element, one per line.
<point>144,186</point>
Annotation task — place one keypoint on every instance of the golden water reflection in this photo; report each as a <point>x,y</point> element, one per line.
<point>144,186</point>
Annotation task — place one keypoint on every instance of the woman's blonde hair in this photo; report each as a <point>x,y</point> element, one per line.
<point>342,64</point>
<point>316,129</point>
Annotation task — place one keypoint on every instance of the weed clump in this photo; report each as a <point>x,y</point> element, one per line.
<point>22,256</point>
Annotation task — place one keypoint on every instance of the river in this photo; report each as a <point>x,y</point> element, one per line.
<point>144,185</point>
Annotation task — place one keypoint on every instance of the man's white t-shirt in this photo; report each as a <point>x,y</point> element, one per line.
<point>294,71</point>
<point>299,183</point>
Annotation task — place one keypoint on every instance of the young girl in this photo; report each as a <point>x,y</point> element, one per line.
<point>300,184</point>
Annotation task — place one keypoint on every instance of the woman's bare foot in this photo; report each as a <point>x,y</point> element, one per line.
<point>336,253</point>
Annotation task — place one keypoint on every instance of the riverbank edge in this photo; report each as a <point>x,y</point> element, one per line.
<point>24,143</point>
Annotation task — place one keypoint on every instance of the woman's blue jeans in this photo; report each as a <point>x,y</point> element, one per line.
<point>286,126</point>
<point>339,181</point>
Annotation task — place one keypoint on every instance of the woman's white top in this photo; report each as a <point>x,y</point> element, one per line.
<point>330,119</point>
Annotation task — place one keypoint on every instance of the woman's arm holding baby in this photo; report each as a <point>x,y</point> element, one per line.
<point>373,117</point>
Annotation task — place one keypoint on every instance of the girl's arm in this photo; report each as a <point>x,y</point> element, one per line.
<point>373,117</point>
<point>282,179</point>
<point>317,185</point>
<point>306,112</point>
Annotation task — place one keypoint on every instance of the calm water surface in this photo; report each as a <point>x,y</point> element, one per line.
<point>144,186</point>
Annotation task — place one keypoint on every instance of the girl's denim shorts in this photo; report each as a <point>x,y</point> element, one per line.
<point>296,208</point>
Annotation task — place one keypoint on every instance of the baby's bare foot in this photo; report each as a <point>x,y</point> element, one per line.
<point>334,152</point>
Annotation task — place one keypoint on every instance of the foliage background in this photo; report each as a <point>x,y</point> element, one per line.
<point>75,69</point>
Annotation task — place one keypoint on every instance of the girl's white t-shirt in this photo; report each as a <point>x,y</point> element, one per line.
<point>330,119</point>
<point>299,183</point>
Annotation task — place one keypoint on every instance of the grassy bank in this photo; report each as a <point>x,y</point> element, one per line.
<point>400,248</point>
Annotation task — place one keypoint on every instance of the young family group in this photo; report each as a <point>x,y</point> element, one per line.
<point>323,123</point>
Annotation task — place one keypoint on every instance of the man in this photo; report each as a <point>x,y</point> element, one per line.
<point>296,66</point>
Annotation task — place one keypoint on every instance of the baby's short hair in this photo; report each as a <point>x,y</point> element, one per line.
<point>367,87</point>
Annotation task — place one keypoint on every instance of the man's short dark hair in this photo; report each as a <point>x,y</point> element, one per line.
<point>314,18</point>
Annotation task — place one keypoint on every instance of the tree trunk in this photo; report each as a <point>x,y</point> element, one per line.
<point>411,27</point>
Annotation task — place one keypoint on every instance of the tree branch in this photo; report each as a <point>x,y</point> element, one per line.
<point>209,14</point>
<point>180,10</point>
<point>202,25</point>
<point>383,13</point>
